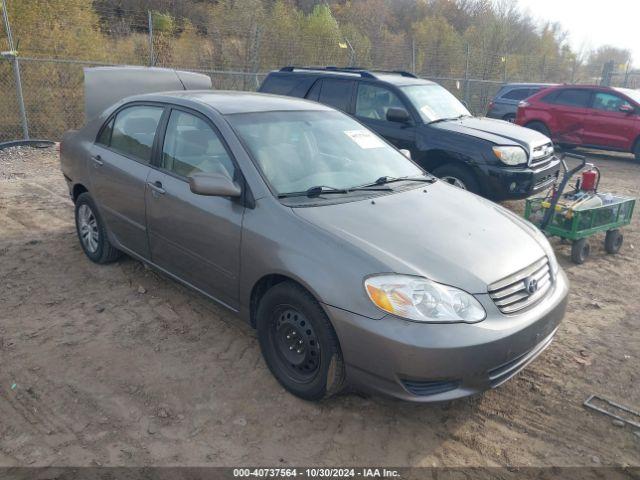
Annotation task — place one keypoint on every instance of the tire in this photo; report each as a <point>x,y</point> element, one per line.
<point>613,241</point>
<point>287,312</point>
<point>509,117</point>
<point>458,176</point>
<point>568,147</point>
<point>539,127</point>
<point>580,251</point>
<point>92,233</point>
<point>636,151</point>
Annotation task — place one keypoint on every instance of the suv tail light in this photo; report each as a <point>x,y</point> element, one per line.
<point>491,104</point>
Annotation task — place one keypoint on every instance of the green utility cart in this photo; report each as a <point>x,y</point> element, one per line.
<point>555,219</point>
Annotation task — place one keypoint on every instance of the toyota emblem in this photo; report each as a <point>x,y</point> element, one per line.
<point>531,285</point>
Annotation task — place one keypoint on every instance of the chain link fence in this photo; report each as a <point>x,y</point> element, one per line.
<point>237,54</point>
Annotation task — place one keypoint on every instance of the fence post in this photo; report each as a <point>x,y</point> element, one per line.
<point>12,56</point>
<point>504,61</point>
<point>467,93</point>
<point>151,54</point>
<point>413,56</point>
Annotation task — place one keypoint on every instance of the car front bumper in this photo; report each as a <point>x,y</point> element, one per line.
<point>517,183</point>
<point>424,362</point>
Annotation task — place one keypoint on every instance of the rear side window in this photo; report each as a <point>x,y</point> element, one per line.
<point>134,130</point>
<point>285,85</point>
<point>336,93</point>
<point>518,94</point>
<point>573,98</point>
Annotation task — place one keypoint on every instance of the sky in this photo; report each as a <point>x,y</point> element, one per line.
<point>592,23</point>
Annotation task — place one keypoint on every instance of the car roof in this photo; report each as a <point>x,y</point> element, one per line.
<point>397,77</point>
<point>523,84</point>
<point>230,102</point>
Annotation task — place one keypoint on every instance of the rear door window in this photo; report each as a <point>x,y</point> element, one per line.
<point>518,94</point>
<point>573,98</point>
<point>336,93</point>
<point>134,130</point>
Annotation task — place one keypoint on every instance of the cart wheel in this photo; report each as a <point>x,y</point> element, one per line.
<point>613,241</point>
<point>580,251</point>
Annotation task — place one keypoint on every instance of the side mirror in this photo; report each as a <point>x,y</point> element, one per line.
<point>398,115</point>
<point>406,153</point>
<point>214,185</point>
<point>626,108</point>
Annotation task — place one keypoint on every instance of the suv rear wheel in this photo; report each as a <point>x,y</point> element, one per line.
<point>458,176</point>
<point>539,127</point>
<point>509,117</point>
<point>636,151</point>
<point>298,342</point>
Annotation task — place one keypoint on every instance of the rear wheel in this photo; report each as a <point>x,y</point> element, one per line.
<point>509,117</point>
<point>92,232</point>
<point>580,251</point>
<point>539,127</point>
<point>458,176</point>
<point>636,151</point>
<point>298,343</point>
<point>613,241</point>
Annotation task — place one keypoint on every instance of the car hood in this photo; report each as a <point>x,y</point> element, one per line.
<point>498,132</point>
<point>440,232</point>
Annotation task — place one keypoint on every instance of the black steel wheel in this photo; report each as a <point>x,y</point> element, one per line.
<point>299,343</point>
<point>295,342</point>
<point>613,241</point>
<point>580,251</point>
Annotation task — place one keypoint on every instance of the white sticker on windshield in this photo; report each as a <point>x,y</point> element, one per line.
<point>364,138</point>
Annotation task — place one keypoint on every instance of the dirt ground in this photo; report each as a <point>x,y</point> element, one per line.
<point>118,365</point>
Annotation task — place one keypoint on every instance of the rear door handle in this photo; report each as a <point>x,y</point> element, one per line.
<point>97,159</point>
<point>156,187</point>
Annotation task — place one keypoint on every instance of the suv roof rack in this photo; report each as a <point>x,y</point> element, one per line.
<point>363,72</point>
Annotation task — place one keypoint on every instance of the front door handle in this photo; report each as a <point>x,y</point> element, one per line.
<point>97,159</point>
<point>156,187</point>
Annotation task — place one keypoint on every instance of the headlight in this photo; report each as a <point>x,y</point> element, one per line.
<point>421,300</point>
<point>511,155</point>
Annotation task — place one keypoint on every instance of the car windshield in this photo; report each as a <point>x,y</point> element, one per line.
<point>434,102</point>
<point>301,150</point>
<point>633,94</point>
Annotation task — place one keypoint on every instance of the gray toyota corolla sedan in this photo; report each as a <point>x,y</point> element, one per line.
<point>354,265</point>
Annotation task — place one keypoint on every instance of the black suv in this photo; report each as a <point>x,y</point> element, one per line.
<point>491,157</point>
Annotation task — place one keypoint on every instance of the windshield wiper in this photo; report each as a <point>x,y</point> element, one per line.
<point>385,180</point>
<point>448,119</point>
<point>324,190</point>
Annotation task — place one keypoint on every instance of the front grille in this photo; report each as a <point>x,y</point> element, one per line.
<point>516,293</point>
<point>541,155</point>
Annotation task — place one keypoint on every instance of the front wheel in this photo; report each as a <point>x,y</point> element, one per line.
<point>298,343</point>
<point>580,251</point>
<point>539,127</point>
<point>92,232</point>
<point>458,176</point>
